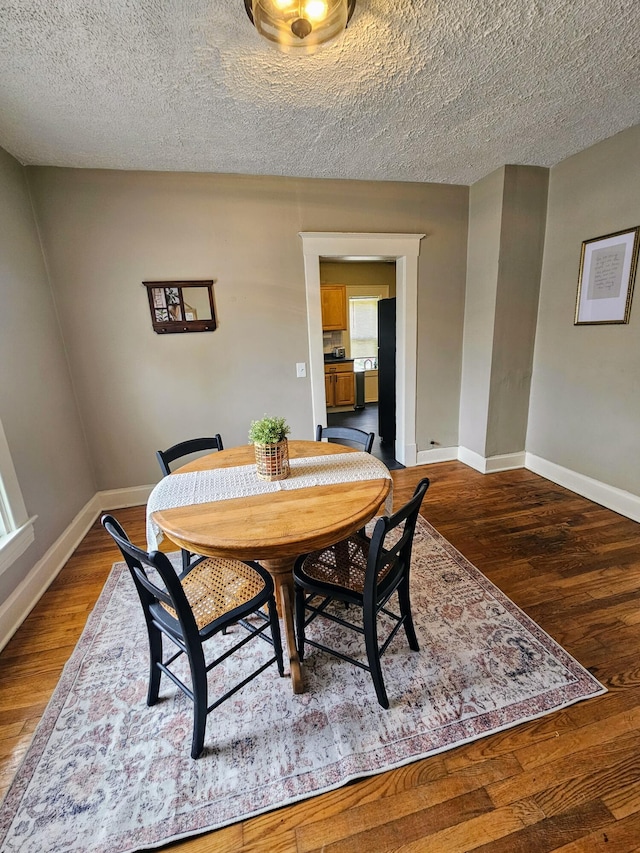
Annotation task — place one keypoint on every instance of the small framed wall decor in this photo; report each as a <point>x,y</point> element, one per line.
<point>605,282</point>
<point>181,306</point>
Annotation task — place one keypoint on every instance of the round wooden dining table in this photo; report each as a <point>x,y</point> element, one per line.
<point>276,527</point>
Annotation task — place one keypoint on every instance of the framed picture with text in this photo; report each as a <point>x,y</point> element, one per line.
<point>605,282</point>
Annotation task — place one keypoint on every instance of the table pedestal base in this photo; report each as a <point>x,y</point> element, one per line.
<point>281,572</point>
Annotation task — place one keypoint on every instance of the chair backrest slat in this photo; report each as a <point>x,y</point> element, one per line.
<point>149,593</point>
<point>152,589</point>
<point>353,434</point>
<point>184,448</point>
<point>398,552</point>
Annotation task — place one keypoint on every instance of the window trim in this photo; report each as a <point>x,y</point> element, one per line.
<point>351,310</point>
<point>16,528</point>
<point>15,543</point>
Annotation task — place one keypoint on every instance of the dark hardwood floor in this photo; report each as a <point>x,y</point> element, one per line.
<point>568,783</point>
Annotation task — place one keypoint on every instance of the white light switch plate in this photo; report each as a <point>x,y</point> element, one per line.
<point>301,370</point>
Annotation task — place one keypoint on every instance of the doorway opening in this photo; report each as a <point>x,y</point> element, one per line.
<point>404,250</point>
<point>365,346</point>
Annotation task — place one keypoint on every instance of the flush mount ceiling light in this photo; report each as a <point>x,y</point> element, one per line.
<point>299,25</point>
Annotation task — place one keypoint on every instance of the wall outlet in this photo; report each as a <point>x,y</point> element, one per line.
<point>301,370</point>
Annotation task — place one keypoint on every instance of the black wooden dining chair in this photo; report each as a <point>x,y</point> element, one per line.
<point>364,572</point>
<point>184,448</point>
<point>350,434</point>
<point>179,451</point>
<point>189,611</point>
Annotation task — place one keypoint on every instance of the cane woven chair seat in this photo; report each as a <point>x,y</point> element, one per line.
<point>343,564</point>
<point>216,586</point>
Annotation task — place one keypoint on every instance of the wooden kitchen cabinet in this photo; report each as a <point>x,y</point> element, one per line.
<point>339,384</point>
<point>333,299</point>
<point>329,379</point>
<point>345,392</point>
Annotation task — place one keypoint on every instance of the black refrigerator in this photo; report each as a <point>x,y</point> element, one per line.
<point>387,370</point>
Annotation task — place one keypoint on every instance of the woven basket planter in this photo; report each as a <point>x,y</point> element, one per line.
<point>272,460</point>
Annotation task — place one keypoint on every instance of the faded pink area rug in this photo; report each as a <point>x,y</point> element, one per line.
<point>105,773</point>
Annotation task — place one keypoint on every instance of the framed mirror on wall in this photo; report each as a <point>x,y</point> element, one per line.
<point>181,306</point>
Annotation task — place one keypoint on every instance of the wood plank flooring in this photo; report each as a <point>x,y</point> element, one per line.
<point>568,783</point>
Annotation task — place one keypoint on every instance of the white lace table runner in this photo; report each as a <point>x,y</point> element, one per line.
<point>221,484</point>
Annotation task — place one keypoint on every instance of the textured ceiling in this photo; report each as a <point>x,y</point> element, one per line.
<point>415,90</point>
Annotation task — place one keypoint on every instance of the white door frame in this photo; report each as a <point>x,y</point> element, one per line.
<point>404,249</point>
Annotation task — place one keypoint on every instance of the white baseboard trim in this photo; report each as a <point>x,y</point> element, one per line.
<point>437,454</point>
<point>624,503</point>
<point>472,459</point>
<point>505,462</point>
<point>26,595</point>
<point>120,498</point>
<point>406,454</point>
<point>491,464</point>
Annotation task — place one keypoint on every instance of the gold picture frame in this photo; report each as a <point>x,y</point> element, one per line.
<point>605,282</point>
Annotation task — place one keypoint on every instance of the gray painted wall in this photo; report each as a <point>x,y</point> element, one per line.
<point>37,404</point>
<point>105,232</point>
<point>585,399</point>
<point>506,238</point>
<point>359,272</point>
<point>483,257</point>
<point>521,246</point>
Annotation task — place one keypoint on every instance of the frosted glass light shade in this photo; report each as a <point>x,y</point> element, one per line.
<point>300,25</point>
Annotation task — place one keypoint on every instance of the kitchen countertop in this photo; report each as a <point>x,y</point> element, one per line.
<point>331,359</point>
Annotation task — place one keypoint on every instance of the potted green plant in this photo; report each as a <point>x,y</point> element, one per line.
<point>269,438</point>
